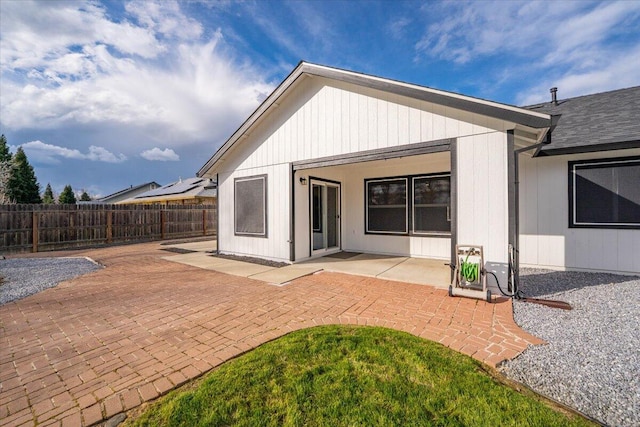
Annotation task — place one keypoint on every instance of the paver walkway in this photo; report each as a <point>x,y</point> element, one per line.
<point>105,342</point>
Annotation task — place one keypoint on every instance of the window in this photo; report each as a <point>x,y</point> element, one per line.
<point>391,209</point>
<point>605,193</point>
<point>387,210</point>
<point>431,204</point>
<point>251,206</point>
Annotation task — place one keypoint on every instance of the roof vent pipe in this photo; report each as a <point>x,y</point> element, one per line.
<point>554,95</point>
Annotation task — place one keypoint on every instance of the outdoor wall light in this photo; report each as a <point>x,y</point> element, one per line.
<point>303,180</point>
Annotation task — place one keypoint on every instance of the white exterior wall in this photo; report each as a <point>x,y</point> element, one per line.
<point>320,118</point>
<point>545,237</point>
<point>275,246</point>
<point>483,210</point>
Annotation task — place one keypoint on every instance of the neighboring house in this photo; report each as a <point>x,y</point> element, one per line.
<point>191,191</point>
<point>125,194</point>
<point>336,160</point>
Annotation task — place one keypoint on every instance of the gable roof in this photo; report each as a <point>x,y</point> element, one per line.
<point>602,121</point>
<point>184,189</point>
<point>128,192</point>
<point>493,109</point>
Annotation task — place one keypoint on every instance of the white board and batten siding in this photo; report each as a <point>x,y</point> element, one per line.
<point>483,210</point>
<point>323,118</point>
<point>545,237</point>
<point>320,118</point>
<point>269,247</point>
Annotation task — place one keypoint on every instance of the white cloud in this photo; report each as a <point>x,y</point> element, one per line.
<point>584,46</point>
<point>40,152</point>
<point>165,18</point>
<point>620,70</point>
<point>152,73</point>
<point>156,154</point>
<point>34,33</point>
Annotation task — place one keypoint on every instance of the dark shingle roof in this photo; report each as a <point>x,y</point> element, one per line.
<point>603,121</point>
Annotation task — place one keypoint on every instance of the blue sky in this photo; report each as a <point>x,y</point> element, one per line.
<point>107,94</point>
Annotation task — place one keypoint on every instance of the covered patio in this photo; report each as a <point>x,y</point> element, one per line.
<point>422,271</point>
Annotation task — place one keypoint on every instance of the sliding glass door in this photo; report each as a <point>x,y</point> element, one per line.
<point>325,216</point>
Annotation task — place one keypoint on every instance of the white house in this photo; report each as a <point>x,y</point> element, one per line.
<point>336,160</point>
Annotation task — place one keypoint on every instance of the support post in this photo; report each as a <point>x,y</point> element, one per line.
<point>453,152</point>
<point>109,226</point>
<point>204,222</point>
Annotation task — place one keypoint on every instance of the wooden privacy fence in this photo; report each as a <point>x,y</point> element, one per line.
<point>48,227</point>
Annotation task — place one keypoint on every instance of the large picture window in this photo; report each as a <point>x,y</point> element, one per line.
<point>251,206</point>
<point>431,204</point>
<point>605,193</point>
<point>409,205</point>
<point>387,209</point>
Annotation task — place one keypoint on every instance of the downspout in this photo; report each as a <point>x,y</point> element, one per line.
<point>514,264</point>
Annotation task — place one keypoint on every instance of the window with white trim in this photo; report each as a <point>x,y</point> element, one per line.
<point>605,193</point>
<point>250,201</point>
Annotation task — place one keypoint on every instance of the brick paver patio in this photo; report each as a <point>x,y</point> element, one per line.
<point>105,342</point>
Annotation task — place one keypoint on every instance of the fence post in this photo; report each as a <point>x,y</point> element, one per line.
<point>34,231</point>
<point>162,220</point>
<point>204,222</point>
<point>72,227</point>
<point>109,226</point>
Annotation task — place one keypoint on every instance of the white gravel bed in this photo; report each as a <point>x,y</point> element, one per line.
<point>592,359</point>
<point>27,276</point>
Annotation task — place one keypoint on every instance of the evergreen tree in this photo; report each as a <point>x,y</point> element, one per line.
<point>23,185</point>
<point>84,197</point>
<point>5,170</point>
<point>67,197</point>
<point>48,197</point>
<point>5,154</point>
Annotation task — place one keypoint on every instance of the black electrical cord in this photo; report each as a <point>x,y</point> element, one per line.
<point>516,294</point>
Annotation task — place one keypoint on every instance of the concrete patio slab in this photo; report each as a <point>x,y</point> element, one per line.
<point>370,265</point>
<point>411,270</point>
<point>203,246</point>
<point>420,270</point>
<point>106,342</point>
<point>279,276</point>
<point>227,266</point>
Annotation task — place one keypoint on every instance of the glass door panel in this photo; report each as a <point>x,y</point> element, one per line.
<point>325,216</point>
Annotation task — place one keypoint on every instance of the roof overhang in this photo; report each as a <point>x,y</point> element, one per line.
<point>529,124</point>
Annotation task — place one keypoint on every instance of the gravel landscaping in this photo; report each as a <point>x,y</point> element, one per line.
<point>28,276</point>
<point>592,358</point>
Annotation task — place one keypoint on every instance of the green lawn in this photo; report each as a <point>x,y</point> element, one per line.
<point>351,376</point>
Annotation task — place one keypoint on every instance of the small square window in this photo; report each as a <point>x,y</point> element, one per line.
<point>250,199</point>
